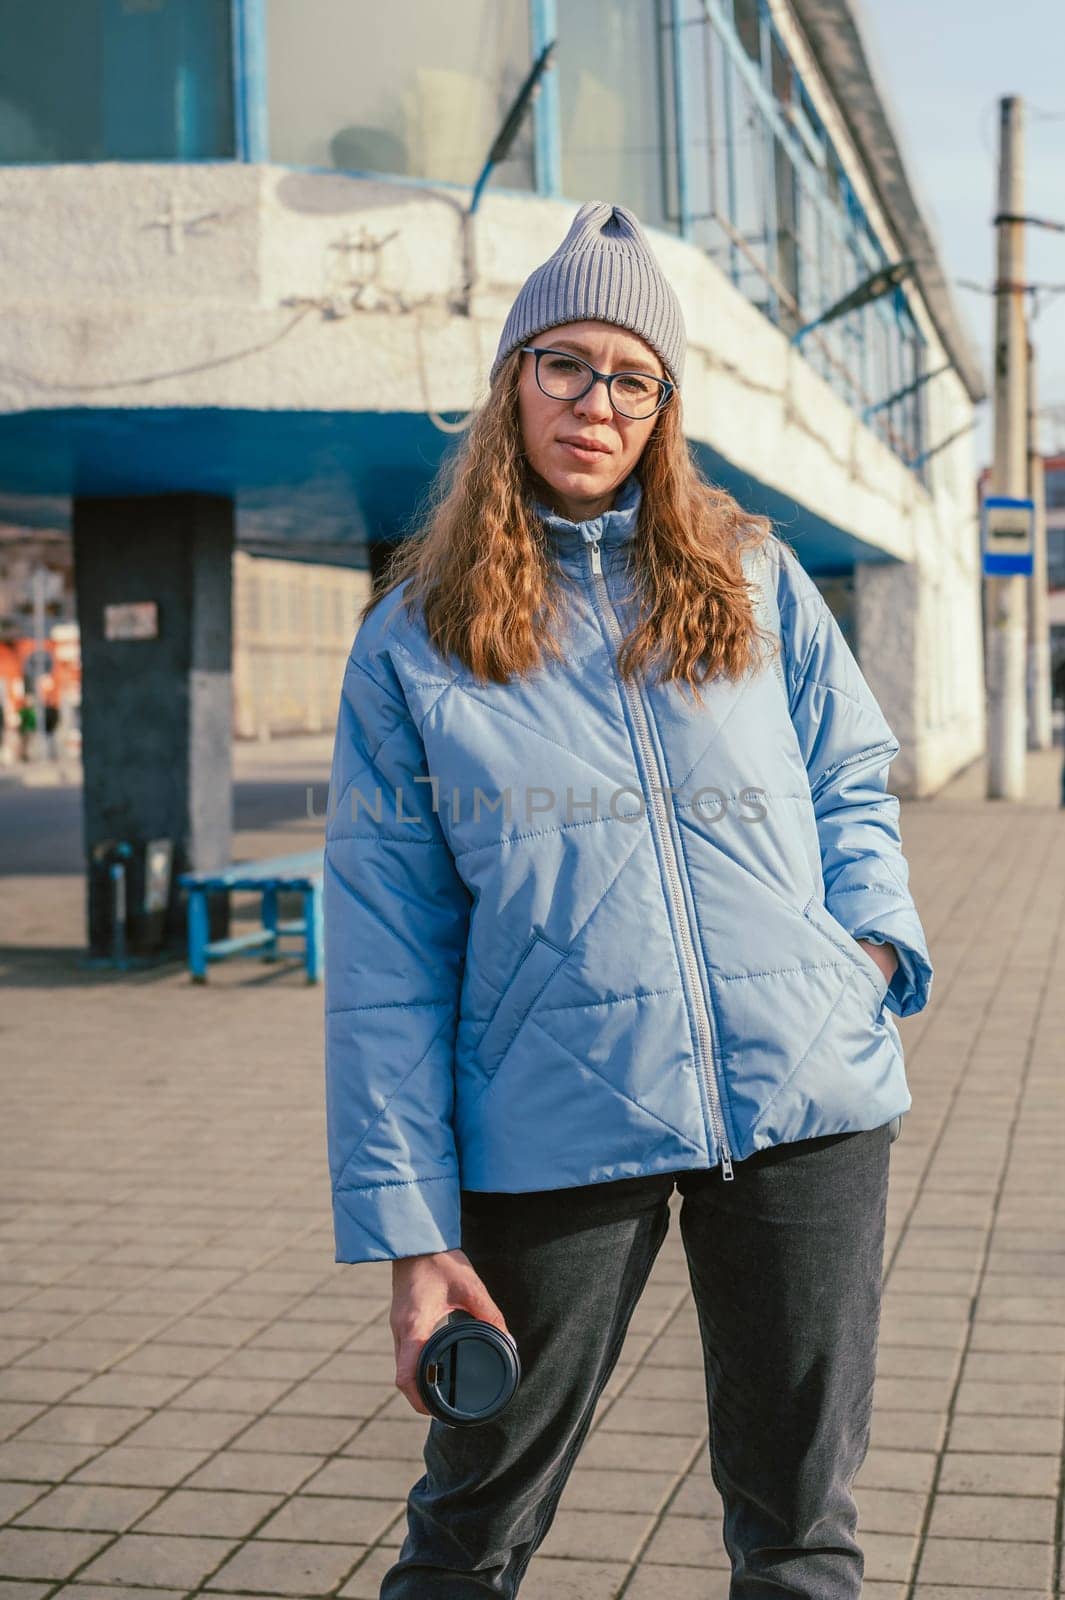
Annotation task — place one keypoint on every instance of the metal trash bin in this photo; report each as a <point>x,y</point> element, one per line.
<point>130,886</point>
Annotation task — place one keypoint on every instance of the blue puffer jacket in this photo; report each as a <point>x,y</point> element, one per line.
<point>577,930</point>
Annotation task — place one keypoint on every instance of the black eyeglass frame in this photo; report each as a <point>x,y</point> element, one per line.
<point>608,378</point>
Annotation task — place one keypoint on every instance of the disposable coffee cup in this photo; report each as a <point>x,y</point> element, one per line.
<point>467,1371</point>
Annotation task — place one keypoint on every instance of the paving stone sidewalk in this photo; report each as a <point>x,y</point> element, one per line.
<point>195,1400</point>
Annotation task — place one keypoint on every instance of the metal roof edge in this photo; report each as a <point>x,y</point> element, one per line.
<point>833,30</point>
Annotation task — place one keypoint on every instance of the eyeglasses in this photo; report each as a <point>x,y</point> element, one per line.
<point>564,377</point>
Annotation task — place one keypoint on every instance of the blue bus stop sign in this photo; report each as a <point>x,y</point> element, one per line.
<point>1007,530</point>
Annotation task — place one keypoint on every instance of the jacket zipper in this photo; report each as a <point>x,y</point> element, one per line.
<point>702,1013</point>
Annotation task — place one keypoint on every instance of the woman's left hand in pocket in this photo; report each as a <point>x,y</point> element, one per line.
<point>885,956</point>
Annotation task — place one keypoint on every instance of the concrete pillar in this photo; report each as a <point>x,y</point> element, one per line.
<point>886,643</point>
<point>157,712</point>
<point>1007,596</point>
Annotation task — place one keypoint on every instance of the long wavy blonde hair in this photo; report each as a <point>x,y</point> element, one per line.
<point>482,574</point>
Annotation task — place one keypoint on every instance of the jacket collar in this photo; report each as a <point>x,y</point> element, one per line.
<point>614,528</point>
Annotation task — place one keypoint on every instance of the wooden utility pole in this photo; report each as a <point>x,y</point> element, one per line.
<point>1040,725</point>
<point>1006,599</point>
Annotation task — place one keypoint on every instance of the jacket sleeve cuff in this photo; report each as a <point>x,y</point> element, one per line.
<point>911,985</point>
<point>386,1221</point>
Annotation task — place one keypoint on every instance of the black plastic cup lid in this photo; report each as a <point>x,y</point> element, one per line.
<point>468,1370</point>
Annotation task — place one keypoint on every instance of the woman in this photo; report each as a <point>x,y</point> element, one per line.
<point>615,904</point>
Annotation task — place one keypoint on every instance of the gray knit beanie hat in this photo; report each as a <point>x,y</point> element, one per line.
<point>605,271</point>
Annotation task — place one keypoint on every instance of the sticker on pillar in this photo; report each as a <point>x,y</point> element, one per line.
<point>158,870</point>
<point>137,619</point>
<point>1007,526</point>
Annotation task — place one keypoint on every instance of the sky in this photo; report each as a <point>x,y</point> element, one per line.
<point>942,66</point>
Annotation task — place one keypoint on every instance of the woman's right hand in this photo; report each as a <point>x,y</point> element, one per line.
<point>424,1289</point>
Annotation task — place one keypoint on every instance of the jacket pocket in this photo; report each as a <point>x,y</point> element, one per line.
<point>534,972</point>
<point>819,916</point>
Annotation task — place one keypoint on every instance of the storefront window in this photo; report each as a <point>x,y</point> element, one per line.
<point>412,87</point>
<point>115,80</point>
<point>610,77</point>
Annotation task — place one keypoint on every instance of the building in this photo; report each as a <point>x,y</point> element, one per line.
<point>1054,481</point>
<point>293,623</point>
<point>255,288</point>
<point>36,587</point>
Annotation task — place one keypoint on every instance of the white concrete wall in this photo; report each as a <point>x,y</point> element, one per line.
<point>252,286</point>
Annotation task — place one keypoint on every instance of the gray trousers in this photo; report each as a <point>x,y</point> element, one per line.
<point>786,1264</point>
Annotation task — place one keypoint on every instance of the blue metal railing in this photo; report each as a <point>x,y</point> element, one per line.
<point>547,149</point>
<point>248,23</point>
<point>861,358</point>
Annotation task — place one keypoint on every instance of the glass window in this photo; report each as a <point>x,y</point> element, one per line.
<point>787,253</point>
<point>748,189</point>
<point>411,87</point>
<point>780,66</point>
<point>1056,557</point>
<point>714,233</point>
<point>610,106</point>
<point>811,249</point>
<point>833,180</point>
<point>748,26</point>
<point>696,64</point>
<point>1055,488</point>
<point>115,80</point>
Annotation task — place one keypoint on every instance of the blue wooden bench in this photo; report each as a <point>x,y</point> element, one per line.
<point>299,873</point>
